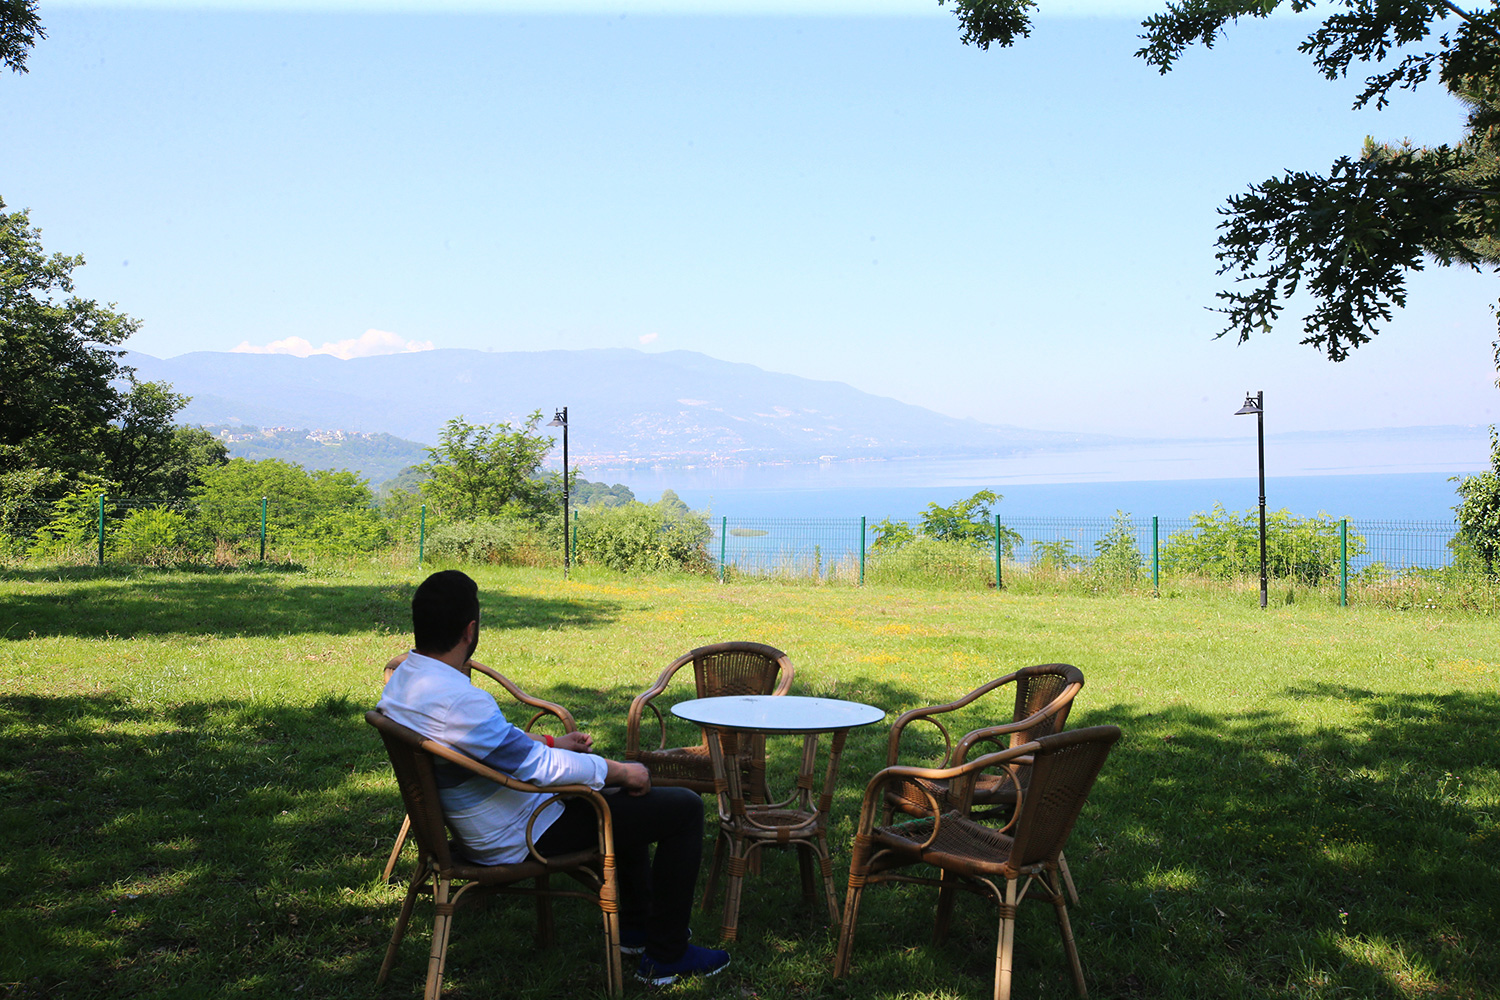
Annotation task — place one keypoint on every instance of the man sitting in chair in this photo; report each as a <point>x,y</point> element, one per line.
<point>430,692</point>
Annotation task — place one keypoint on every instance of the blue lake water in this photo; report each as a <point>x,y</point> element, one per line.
<point>1421,496</point>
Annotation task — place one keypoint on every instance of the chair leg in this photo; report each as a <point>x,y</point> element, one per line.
<point>545,929</point>
<point>1066,929</point>
<point>845,952</point>
<point>441,927</point>
<point>390,862</point>
<point>946,895</point>
<point>402,919</point>
<point>1067,877</point>
<point>1005,947</point>
<point>613,975</point>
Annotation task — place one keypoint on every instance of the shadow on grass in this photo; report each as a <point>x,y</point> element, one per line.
<point>109,603</point>
<point>217,848</point>
<point>227,847</point>
<point>1244,856</point>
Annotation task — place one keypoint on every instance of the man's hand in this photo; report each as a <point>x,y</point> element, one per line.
<point>629,775</point>
<point>576,742</point>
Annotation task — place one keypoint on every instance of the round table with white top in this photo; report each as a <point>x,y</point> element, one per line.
<point>798,820</point>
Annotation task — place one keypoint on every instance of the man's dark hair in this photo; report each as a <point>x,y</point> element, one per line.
<point>441,609</point>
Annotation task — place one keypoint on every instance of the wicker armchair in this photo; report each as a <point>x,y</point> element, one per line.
<point>725,668</point>
<point>544,710</point>
<point>1043,697</point>
<point>440,866</point>
<point>976,858</point>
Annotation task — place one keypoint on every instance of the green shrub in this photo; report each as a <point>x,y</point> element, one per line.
<point>151,535</point>
<point>931,561</point>
<point>1226,544</point>
<point>72,531</point>
<point>1479,510</point>
<point>1117,559</point>
<point>639,537</point>
<point>1058,554</point>
<point>508,541</point>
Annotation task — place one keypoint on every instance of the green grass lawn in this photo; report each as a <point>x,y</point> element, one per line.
<point>1306,801</point>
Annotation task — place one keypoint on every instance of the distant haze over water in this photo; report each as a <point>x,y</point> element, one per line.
<point>1399,474</point>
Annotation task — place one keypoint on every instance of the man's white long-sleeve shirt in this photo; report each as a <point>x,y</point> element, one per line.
<point>439,702</point>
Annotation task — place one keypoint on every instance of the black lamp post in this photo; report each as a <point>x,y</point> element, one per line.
<point>560,419</point>
<point>1256,404</point>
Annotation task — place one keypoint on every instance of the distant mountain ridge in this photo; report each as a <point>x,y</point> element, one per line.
<point>626,407</point>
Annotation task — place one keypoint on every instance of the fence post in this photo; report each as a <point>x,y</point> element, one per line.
<point>262,529</point>
<point>101,529</point>
<point>998,581</point>
<point>421,536</point>
<point>861,552</point>
<point>723,545</point>
<point>1344,563</point>
<point>1155,556</point>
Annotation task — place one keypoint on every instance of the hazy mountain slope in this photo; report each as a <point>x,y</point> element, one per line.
<point>375,456</point>
<point>623,404</point>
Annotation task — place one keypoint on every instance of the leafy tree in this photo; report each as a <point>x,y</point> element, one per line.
<point>20,29</point>
<point>891,535</point>
<point>408,480</point>
<point>66,402</point>
<point>1350,236</point>
<point>968,521</point>
<point>1479,510</point>
<point>139,442</point>
<point>673,504</point>
<point>193,451</point>
<point>326,511</point>
<point>587,494</point>
<point>488,470</point>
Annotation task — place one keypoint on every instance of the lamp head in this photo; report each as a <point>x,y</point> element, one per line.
<point>559,418</point>
<point>1252,405</point>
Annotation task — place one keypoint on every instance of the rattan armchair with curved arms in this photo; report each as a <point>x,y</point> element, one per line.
<point>544,710</point>
<point>1043,697</point>
<point>440,866</point>
<point>999,864</point>
<point>724,668</point>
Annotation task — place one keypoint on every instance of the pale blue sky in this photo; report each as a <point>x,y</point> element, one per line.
<point>1021,236</point>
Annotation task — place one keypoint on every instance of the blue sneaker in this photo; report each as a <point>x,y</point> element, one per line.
<point>695,961</point>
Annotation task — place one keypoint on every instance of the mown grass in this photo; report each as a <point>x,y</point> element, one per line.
<point>1306,802</point>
